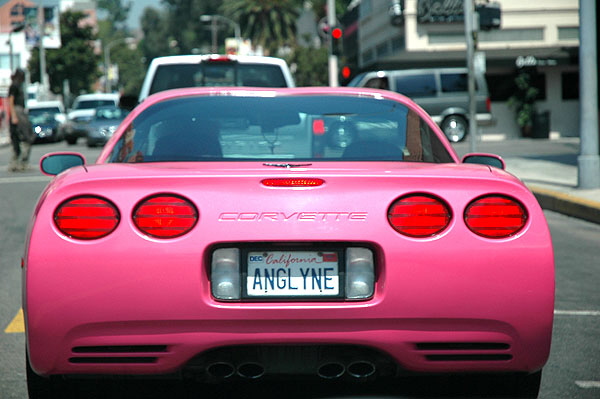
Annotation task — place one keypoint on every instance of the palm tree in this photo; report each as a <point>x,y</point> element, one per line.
<point>268,23</point>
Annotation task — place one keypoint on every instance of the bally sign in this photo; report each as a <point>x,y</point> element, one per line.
<point>431,11</point>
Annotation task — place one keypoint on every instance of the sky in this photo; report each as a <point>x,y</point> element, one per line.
<point>137,9</point>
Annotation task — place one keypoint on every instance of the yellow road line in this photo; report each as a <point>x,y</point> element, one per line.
<point>17,325</point>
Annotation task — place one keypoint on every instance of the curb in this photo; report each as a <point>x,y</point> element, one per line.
<point>567,204</point>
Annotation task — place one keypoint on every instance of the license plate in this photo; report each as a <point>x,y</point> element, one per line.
<point>293,274</point>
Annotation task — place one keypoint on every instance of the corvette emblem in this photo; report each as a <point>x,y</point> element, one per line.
<point>293,216</point>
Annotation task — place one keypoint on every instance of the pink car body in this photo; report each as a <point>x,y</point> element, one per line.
<point>128,303</point>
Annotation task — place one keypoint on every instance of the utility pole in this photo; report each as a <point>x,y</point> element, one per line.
<point>589,159</point>
<point>470,35</point>
<point>333,59</point>
<point>43,74</point>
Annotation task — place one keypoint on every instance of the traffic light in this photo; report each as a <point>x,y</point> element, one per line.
<point>490,16</point>
<point>335,39</point>
<point>346,72</point>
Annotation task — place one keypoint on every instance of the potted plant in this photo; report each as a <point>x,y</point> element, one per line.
<point>523,102</point>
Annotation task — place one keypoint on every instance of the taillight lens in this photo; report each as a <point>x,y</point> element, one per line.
<point>293,182</point>
<point>495,216</point>
<point>419,215</point>
<point>165,216</point>
<point>86,217</point>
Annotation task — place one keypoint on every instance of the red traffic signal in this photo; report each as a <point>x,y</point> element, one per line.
<point>336,33</point>
<point>346,72</point>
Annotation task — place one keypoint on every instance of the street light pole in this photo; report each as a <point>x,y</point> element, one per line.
<point>470,35</point>
<point>107,82</point>
<point>213,19</point>
<point>588,160</point>
<point>333,59</point>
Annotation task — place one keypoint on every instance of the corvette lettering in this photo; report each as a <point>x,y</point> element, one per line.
<point>293,216</point>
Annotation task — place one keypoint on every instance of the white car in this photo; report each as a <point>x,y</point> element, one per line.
<point>174,72</point>
<point>82,112</point>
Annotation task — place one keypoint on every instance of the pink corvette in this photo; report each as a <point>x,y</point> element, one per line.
<point>231,233</point>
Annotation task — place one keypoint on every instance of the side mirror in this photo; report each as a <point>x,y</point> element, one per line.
<point>485,159</point>
<point>54,163</point>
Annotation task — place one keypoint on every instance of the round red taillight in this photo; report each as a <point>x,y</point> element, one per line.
<point>495,216</point>
<point>86,217</point>
<point>165,216</point>
<point>419,215</point>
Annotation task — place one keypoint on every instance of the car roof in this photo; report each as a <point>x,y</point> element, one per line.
<point>98,96</point>
<point>196,58</point>
<point>44,104</point>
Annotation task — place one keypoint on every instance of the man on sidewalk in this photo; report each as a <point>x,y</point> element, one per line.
<point>21,132</point>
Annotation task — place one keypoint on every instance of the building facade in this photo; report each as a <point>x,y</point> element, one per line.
<point>537,37</point>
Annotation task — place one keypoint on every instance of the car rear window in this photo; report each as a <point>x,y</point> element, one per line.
<point>216,73</point>
<point>91,104</point>
<point>279,129</point>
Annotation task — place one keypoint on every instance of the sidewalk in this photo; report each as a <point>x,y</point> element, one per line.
<point>553,183</point>
<point>555,186</point>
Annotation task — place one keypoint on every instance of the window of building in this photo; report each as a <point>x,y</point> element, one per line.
<point>367,56</point>
<point>502,86</point>
<point>512,35</point>
<point>5,61</point>
<point>568,33</point>
<point>398,44</point>
<point>382,49</point>
<point>570,85</point>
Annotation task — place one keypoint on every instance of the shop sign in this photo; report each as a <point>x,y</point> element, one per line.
<point>440,11</point>
<point>523,61</point>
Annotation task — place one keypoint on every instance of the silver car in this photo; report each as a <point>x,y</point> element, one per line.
<point>442,92</point>
<point>103,124</point>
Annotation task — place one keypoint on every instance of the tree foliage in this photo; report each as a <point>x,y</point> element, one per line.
<point>117,12</point>
<point>185,32</point>
<point>309,66</point>
<point>270,24</point>
<point>114,36</point>
<point>75,62</point>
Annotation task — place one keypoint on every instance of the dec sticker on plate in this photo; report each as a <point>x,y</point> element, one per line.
<point>292,273</point>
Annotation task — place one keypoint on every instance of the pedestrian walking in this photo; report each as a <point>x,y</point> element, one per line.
<point>21,131</point>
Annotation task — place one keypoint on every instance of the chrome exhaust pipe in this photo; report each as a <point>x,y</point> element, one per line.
<point>331,371</point>
<point>251,370</point>
<point>361,369</point>
<point>220,370</point>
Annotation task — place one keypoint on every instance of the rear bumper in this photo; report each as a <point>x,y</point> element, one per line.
<point>160,330</point>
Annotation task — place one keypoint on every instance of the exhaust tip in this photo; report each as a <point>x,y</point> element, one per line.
<point>220,370</point>
<point>331,370</point>
<point>361,369</point>
<point>251,370</point>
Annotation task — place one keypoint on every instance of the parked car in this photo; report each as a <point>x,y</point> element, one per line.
<point>82,112</point>
<point>104,123</point>
<point>442,92</point>
<point>173,72</point>
<point>47,118</point>
<point>222,234</point>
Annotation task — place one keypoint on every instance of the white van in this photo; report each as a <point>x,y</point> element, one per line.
<point>442,92</point>
<point>179,71</point>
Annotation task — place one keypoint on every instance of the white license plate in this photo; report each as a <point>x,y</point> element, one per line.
<point>293,273</point>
